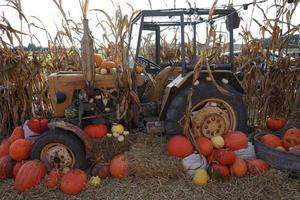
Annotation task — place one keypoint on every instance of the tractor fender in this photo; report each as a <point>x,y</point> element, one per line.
<point>87,141</point>
<point>181,81</point>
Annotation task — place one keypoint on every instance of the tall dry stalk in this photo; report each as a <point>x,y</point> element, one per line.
<point>116,29</point>
<point>270,90</point>
<point>23,73</point>
<point>271,83</point>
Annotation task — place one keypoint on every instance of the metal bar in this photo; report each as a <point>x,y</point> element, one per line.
<point>154,13</point>
<point>136,18</point>
<point>135,110</point>
<point>190,11</point>
<point>178,23</point>
<point>231,45</point>
<point>129,43</point>
<point>182,44</point>
<point>162,23</point>
<point>136,55</point>
<point>194,39</point>
<point>157,43</point>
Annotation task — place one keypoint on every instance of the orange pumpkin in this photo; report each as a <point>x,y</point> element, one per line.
<point>53,179</point>
<point>219,172</point>
<point>205,146</point>
<point>239,167</point>
<point>100,169</point>
<point>17,167</point>
<point>6,167</point>
<point>18,133</point>
<point>108,64</point>
<point>96,131</point>
<point>276,123</point>
<point>38,125</point>
<point>271,140</point>
<point>257,166</point>
<point>73,182</point>
<point>180,146</point>
<point>212,158</point>
<point>119,166</point>
<point>4,148</point>
<point>20,149</point>
<point>236,140</point>
<point>291,138</point>
<point>225,157</point>
<point>30,175</point>
<point>98,60</point>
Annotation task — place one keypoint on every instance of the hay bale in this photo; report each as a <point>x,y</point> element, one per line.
<point>108,147</point>
<point>148,159</point>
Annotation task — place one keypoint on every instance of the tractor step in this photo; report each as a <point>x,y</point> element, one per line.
<point>154,127</point>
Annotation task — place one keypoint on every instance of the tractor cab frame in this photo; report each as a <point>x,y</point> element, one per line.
<point>156,20</point>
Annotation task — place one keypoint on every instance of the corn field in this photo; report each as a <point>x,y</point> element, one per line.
<point>271,89</point>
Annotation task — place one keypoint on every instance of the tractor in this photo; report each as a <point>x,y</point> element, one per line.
<point>163,97</point>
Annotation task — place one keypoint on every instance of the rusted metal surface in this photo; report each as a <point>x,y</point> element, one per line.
<point>69,83</point>
<point>156,90</point>
<point>58,156</point>
<point>87,141</point>
<point>215,118</point>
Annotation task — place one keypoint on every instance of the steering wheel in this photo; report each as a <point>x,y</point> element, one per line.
<point>150,67</point>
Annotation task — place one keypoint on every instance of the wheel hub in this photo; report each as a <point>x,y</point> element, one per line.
<point>57,155</point>
<point>210,121</point>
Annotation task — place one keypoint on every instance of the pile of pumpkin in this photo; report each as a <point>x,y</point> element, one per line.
<point>18,145</point>
<point>13,153</point>
<point>220,156</point>
<point>104,66</point>
<point>15,150</point>
<point>290,141</point>
<point>74,181</point>
<point>107,66</point>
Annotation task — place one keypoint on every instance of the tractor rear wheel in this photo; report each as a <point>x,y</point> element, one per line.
<point>58,148</point>
<point>213,113</point>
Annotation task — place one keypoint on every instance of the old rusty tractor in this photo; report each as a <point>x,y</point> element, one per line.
<point>77,97</point>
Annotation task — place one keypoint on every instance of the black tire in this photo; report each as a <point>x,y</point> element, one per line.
<point>205,90</point>
<point>63,137</point>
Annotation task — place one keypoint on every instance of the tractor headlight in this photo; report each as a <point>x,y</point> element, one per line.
<point>60,97</point>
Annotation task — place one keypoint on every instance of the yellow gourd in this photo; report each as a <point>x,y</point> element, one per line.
<point>201,177</point>
<point>118,128</point>
<point>281,148</point>
<point>218,141</point>
<point>95,181</point>
<point>66,170</point>
<point>101,71</point>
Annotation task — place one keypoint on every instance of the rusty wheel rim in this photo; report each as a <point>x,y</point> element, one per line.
<point>212,117</point>
<point>58,156</point>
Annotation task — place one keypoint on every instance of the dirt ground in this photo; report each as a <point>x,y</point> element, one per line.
<point>273,184</point>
